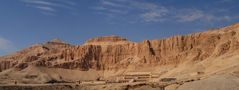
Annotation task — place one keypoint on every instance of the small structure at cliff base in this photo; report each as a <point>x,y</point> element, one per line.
<point>136,77</point>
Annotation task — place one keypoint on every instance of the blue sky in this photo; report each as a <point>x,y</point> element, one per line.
<point>26,22</point>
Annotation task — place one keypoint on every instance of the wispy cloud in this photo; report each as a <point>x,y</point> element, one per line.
<point>112,3</point>
<point>153,16</point>
<point>144,11</point>
<point>135,10</point>
<point>155,12</point>
<point>191,15</point>
<point>40,2</point>
<point>45,8</point>
<point>225,1</point>
<point>6,45</point>
<point>151,12</point>
<point>50,6</point>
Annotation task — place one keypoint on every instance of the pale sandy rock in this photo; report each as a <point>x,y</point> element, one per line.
<point>108,52</point>
<point>177,56</point>
<point>227,82</point>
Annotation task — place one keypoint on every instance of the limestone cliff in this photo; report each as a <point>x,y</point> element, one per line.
<point>114,52</point>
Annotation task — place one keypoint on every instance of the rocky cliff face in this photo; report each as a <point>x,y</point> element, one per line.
<point>114,52</point>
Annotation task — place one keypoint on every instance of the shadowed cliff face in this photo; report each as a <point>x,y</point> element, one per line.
<point>114,52</point>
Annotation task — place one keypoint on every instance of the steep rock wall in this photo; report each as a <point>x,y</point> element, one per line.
<point>113,52</point>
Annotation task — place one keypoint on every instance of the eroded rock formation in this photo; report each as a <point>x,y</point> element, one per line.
<point>114,52</point>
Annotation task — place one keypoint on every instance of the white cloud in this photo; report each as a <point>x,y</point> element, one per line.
<point>154,16</point>
<point>189,15</point>
<point>40,2</point>
<point>111,3</point>
<point>212,18</point>
<point>225,1</point>
<point>46,8</point>
<point>144,11</point>
<point>145,5</point>
<point>50,6</point>
<point>6,44</point>
<point>151,12</point>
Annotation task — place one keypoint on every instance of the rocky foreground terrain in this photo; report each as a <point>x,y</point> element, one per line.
<point>200,61</point>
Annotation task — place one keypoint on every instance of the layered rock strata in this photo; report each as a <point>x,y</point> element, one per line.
<point>114,52</point>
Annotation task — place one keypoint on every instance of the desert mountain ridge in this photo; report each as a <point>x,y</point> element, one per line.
<point>200,54</point>
<point>118,49</point>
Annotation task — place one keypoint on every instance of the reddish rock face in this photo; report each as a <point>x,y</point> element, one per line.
<point>114,52</point>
